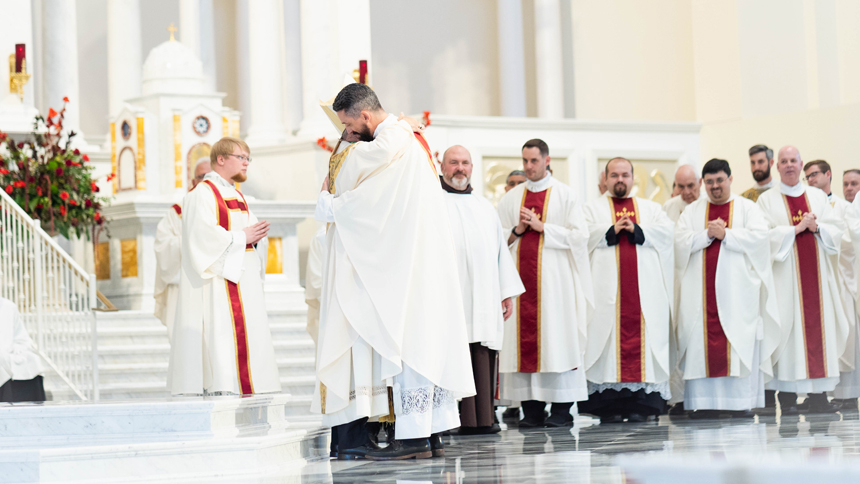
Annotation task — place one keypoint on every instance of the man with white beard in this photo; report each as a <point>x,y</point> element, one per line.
<point>168,261</point>
<point>805,237</point>
<point>488,281</point>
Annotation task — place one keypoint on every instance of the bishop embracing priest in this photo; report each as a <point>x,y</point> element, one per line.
<point>727,323</point>
<point>221,339</point>
<point>627,356</point>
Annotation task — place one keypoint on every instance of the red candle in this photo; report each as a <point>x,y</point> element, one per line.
<point>20,54</point>
<point>362,71</point>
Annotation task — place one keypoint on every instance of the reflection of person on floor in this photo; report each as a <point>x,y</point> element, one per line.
<point>728,322</point>
<point>387,253</point>
<point>488,281</point>
<point>20,367</point>
<point>627,355</point>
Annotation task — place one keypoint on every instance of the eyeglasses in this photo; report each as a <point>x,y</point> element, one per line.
<point>243,159</point>
<point>811,175</point>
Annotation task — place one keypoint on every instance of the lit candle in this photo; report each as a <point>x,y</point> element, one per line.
<point>20,54</point>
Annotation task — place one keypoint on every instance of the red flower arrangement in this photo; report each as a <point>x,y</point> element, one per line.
<point>50,181</point>
<point>323,143</point>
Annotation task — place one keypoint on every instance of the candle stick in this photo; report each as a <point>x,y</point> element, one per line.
<point>20,55</point>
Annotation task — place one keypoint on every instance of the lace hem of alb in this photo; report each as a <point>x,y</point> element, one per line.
<point>662,388</point>
<point>420,400</point>
<point>366,391</point>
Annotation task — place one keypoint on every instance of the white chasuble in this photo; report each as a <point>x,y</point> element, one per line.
<point>18,357</point>
<point>391,306</point>
<point>849,377</point>
<point>813,326</point>
<point>542,358</point>
<point>628,331</point>
<point>168,247</point>
<point>728,320</point>
<point>487,271</point>
<point>221,337</point>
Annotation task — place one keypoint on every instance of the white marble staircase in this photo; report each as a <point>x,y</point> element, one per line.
<point>134,352</point>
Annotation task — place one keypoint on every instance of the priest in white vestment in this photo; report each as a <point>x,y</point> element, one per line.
<point>690,186</point>
<point>389,252</point>
<point>221,338</point>
<point>313,282</point>
<point>21,367</point>
<point>727,321</point>
<point>805,237</point>
<point>627,356</point>
<point>168,249</point>
<point>488,282</point>
<point>541,360</point>
<point>819,175</point>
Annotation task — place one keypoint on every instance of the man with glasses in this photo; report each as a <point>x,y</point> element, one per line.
<point>819,174</point>
<point>728,324</point>
<point>221,339</point>
<point>168,249</point>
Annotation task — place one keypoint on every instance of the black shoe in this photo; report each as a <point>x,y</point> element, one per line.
<point>847,404</point>
<point>677,410</point>
<point>637,418</point>
<point>764,411</point>
<point>357,452</point>
<point>823,408</point>
<point>531,424</point>
<point>490,429</point>
<point>790,410</point>
<point>611,419</point>
<point>403,449</point>
<point>437,447</point>
<point>559,420</point>
<point>512,413</point>
<point>704,414</point>
<point>741,414</point>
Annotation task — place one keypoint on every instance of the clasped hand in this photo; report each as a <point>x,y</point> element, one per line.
<point>717,229</point>
<point>529,220</point>
<point>624,223</point>
<point>254,233</point>
<point>808,223</point>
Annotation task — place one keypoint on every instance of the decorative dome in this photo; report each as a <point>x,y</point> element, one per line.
<point>172,67</point>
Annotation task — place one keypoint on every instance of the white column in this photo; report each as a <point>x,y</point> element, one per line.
<point>292,67</point>
<point>124,52</point>
<point>320,77</point>
<point>207,43</point>
<point>512,79</point>
<point>354,22</point>
<point>265,23</point>
<point>189,24</point>
<point>549,68</point>
<point>60,33</point>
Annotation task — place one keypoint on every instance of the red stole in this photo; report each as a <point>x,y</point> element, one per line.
<point>529,254</point>
<point>717,348</point>
<point>809,285</point>
<point>177,209</point>
<point>423,141</point>
<point>630,323</point>
<point>234,294</point>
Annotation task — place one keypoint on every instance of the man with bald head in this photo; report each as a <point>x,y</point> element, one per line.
<point>632,253</point>
<point>488,282</point>
<point>805,238</point>
<point>168,242</point>
<point>688,184</point>
<point>542,359</point>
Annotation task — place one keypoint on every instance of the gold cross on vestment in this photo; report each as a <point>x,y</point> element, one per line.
<point>624,212</point>
<point>798,217</point>
<point>536,214</point>
<point>172,31</point>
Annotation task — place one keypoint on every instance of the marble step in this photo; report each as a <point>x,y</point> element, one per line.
<point>157,371</point>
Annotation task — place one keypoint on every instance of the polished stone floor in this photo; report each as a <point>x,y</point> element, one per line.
<point>812,448</point>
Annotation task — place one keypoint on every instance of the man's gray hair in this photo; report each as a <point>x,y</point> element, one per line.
<point>515,173</point>
<point>355,98</point>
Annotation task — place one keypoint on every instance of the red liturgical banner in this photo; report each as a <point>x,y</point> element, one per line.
<point>809,283</point>
<point>630,323</point>
<point>717,348</point>
<point>529,254</point>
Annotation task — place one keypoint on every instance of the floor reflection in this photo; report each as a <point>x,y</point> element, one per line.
<point>823,448</point>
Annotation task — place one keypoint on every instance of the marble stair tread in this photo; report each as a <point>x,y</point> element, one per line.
<point>157,348</point>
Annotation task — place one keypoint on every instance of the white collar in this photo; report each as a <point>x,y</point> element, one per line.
<point>767,185</point>
<point>539,185</point>
<point>390,120</point>
<point>794,191</point>
<point>831,197</point>
<point>731,197</point>
<point>218,179</point>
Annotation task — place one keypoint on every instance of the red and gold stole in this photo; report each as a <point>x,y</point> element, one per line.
<point>529,253</point>
<point>423,141</point>
<point>234,294</point>
<point>717,348</point>
<point>809,284</point>
<point>629,321</point>
<point>177,209</point>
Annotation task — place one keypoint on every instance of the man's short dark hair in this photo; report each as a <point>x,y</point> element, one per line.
<point>851,170</point>
<point>355,98</point>
<point>716,165</point>
<point>606,168</point>
<point>762,149</point>
<point>539,144</point>
<point>821,164</point>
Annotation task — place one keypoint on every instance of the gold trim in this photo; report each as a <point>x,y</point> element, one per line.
<point>641,343</point>
<point>113,156</point>
<point>705,293</point>
<point>538,337</point>
<point>614,216</point>
<point>519,306</point>
<point>323,394</point>
<point>274,258</point>
<point>128,253</point>
<point>141,155</point>
<point>177,150</point>
<point>102,263</point>
<point>335,163</point>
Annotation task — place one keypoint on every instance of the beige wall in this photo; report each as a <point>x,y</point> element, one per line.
<point>633,60</point>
